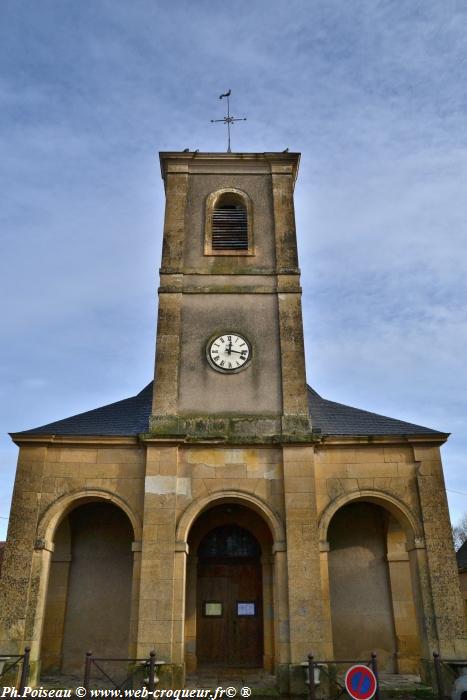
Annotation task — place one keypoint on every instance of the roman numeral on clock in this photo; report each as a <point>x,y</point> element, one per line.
<point>223,353</point>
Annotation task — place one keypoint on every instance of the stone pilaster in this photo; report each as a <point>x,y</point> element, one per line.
<point>423,599</point>
<point>190,622</point>
<point>284,218</point>
<point>135,587</point>
<point>268,614</point>
<point>168,323</point>
<point>165,398</point>
<point>176,188</point>
<point>296,418</point>
<point>19,588</point>
<point>303,557</point>
<point>162,588</point>
<point>440,557</point>
<point>281,617</point>
<point>327,625</point>
<point>158,553</point>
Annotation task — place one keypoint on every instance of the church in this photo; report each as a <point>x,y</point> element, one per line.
<point>227,515</point>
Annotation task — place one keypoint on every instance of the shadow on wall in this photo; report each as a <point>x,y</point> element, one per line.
<point>89,594</point>
<point>371,591</point>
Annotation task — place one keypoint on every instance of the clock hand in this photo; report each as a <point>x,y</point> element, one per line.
<point>229,349</point>
<point>239,352</point>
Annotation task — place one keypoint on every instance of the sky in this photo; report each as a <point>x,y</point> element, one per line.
<point>374,96</point>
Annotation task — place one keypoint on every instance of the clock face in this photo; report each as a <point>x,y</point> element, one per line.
<point>228,353</point>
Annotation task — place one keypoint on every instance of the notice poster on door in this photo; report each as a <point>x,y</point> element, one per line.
<point>246,609</point>
<point>213,609</point>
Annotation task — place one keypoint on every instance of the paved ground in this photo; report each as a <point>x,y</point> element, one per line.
<point>235,677</point>
<point>399,680</point>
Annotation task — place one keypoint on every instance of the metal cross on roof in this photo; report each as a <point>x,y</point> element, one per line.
<point>228,119</point>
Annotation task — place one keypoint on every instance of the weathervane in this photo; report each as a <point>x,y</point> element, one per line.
<point>228,119</point>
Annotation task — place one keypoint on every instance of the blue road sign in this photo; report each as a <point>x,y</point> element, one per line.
<point>360,682</point>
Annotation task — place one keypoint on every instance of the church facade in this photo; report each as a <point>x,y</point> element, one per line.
<point>228,515</point>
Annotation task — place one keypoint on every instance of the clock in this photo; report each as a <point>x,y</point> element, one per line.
<point>228,353</point>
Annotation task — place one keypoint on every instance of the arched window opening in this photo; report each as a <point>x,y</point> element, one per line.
<point>229,542</point>
<point>228,224</point>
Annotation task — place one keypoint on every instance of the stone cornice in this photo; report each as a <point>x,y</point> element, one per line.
<point>242,163</point>
<point>347,440</point>
<point>250,272</point>
<point>75,440</point>
<point>132,441</point>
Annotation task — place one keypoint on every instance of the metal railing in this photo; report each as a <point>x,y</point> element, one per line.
<point>322,665</point>
<point>138,666</point>
<point>441,667</point>
<point>13,661</point>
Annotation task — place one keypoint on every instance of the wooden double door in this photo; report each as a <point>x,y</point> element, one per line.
<point>230,614</point>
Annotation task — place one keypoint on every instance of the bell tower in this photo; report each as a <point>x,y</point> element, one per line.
<point>230,357</point>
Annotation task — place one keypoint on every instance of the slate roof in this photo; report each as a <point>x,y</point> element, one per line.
<point>126,417</point>
<point>337,419</point>
<point>461,556</point>
<point>131,417</point>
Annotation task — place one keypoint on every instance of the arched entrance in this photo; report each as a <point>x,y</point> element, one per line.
<point>88,603</point>
<point>229,604</point>
<point>370,585</point>
<point>230,598</point>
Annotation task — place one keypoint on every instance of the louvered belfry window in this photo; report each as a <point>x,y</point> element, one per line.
<point>229,224</point>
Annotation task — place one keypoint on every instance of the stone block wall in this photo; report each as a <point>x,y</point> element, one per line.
<point>51,480</point>
<point>163,488</point>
